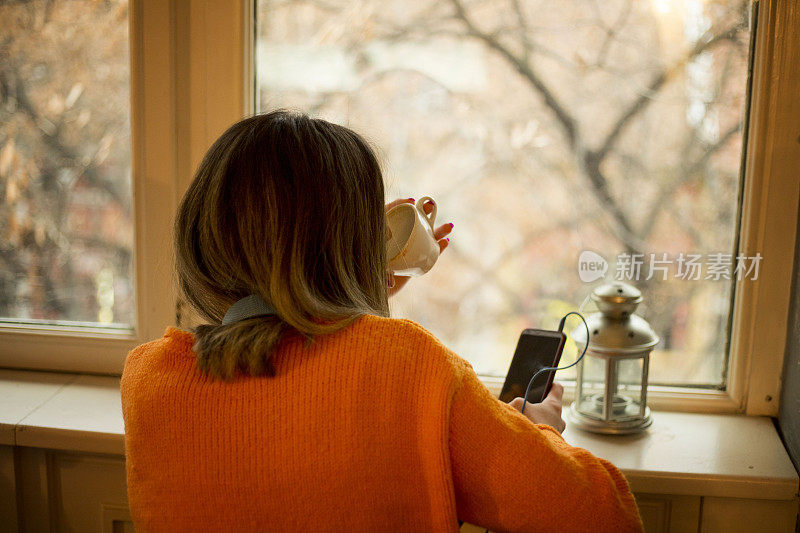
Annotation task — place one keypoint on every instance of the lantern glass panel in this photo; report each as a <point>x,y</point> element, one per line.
<point>593,386</point>
<point>628,396</point>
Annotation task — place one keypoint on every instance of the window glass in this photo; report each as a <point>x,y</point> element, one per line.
<point>66,232</point>
<point>554,135</point>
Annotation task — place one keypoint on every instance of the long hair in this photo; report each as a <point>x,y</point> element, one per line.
<point>290,208</point>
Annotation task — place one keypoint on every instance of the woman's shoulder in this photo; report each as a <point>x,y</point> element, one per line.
<point>405,335</point>
<point>392,324</point>
<point>174,342</point>
<point>392,330</point>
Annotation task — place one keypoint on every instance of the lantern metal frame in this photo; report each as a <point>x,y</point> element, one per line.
<point>623,336</point>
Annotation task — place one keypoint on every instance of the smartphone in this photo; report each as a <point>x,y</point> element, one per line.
<point>536,349</point>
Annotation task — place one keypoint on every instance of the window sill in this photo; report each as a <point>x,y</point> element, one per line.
<point>61,411</point>
<point>731,456</point>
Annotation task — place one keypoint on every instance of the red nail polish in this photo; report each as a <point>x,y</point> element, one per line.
<point>447,239</point>
<point>451,225</point>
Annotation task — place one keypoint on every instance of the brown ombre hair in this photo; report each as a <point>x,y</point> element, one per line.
<point>290,208</point>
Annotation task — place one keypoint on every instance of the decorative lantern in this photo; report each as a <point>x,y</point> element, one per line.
<point>611,389</point>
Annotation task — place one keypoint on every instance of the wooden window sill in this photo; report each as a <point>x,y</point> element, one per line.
<point>731,456</point>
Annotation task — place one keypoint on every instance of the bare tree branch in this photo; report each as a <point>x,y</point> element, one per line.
<point>611,33</point>
<point>50,136</point>
<point>656,83</point>
<point>591,160</point>
<point>565,119</point>
<point>522,27</point>
<point>685,174</point>
<point>587,159</point>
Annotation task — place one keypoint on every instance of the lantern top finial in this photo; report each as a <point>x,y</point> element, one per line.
<point>617,299</point>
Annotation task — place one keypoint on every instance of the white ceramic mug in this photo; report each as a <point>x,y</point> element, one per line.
<point>411,247</point>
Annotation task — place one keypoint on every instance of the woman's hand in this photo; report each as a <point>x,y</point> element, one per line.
<point>548,412</point>
<point>441,232</point>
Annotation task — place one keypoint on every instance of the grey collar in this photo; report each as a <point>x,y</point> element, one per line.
<point>248,307</point>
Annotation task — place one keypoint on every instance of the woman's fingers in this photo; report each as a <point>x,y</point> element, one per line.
<point>443,231</point>
<point>395,203</point>
<point>427,206</point>
<point>556,391</point>
<point>440,234</point>
<point>548,412</point>
<point>554,397</point>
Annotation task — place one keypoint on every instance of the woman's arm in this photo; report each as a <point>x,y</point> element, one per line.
<point>513,475</point>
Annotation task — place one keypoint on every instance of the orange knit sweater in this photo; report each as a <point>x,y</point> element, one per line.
<point>378,427</point>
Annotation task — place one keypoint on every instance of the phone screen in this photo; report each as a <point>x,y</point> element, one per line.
<point>536,349</point>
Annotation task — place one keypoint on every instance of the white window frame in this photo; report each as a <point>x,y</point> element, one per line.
<point>187,77</point>
<point>192,76</point>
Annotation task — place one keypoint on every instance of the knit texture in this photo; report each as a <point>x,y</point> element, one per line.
<point>378,427</point>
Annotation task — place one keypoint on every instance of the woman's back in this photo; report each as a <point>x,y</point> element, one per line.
<point>376,427</point>
<point>349,433</point>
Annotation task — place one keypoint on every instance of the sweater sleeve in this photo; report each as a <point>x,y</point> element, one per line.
<point>510,474</point>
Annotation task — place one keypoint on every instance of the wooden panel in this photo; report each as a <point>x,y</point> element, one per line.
<point>89,492</point>
<point>668,513</point>
<point>655,514</point>
<point>117,519</point>
<point>733,515</point>
<point>32,489</point>
<point>660,514</point>
<point>8,489</point>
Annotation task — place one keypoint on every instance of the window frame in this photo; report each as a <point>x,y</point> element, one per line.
<point>192,74</point>
<point>97,350</point>
<point>179,52</point>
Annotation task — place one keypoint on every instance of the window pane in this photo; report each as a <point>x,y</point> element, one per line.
<point>65,163</point>
<point>543,129</point>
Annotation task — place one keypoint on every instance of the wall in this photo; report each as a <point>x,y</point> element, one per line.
<point>789,416</point>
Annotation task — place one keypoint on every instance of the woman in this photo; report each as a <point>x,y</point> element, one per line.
<point>301,406</point>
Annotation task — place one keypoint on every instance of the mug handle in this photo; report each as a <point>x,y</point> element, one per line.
<point>420,206</point>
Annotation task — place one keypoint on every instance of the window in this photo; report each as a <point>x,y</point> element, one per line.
<point>543,130</point>
<point>66,255</point>
<point>88,183</point>
<point>455,120</point>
